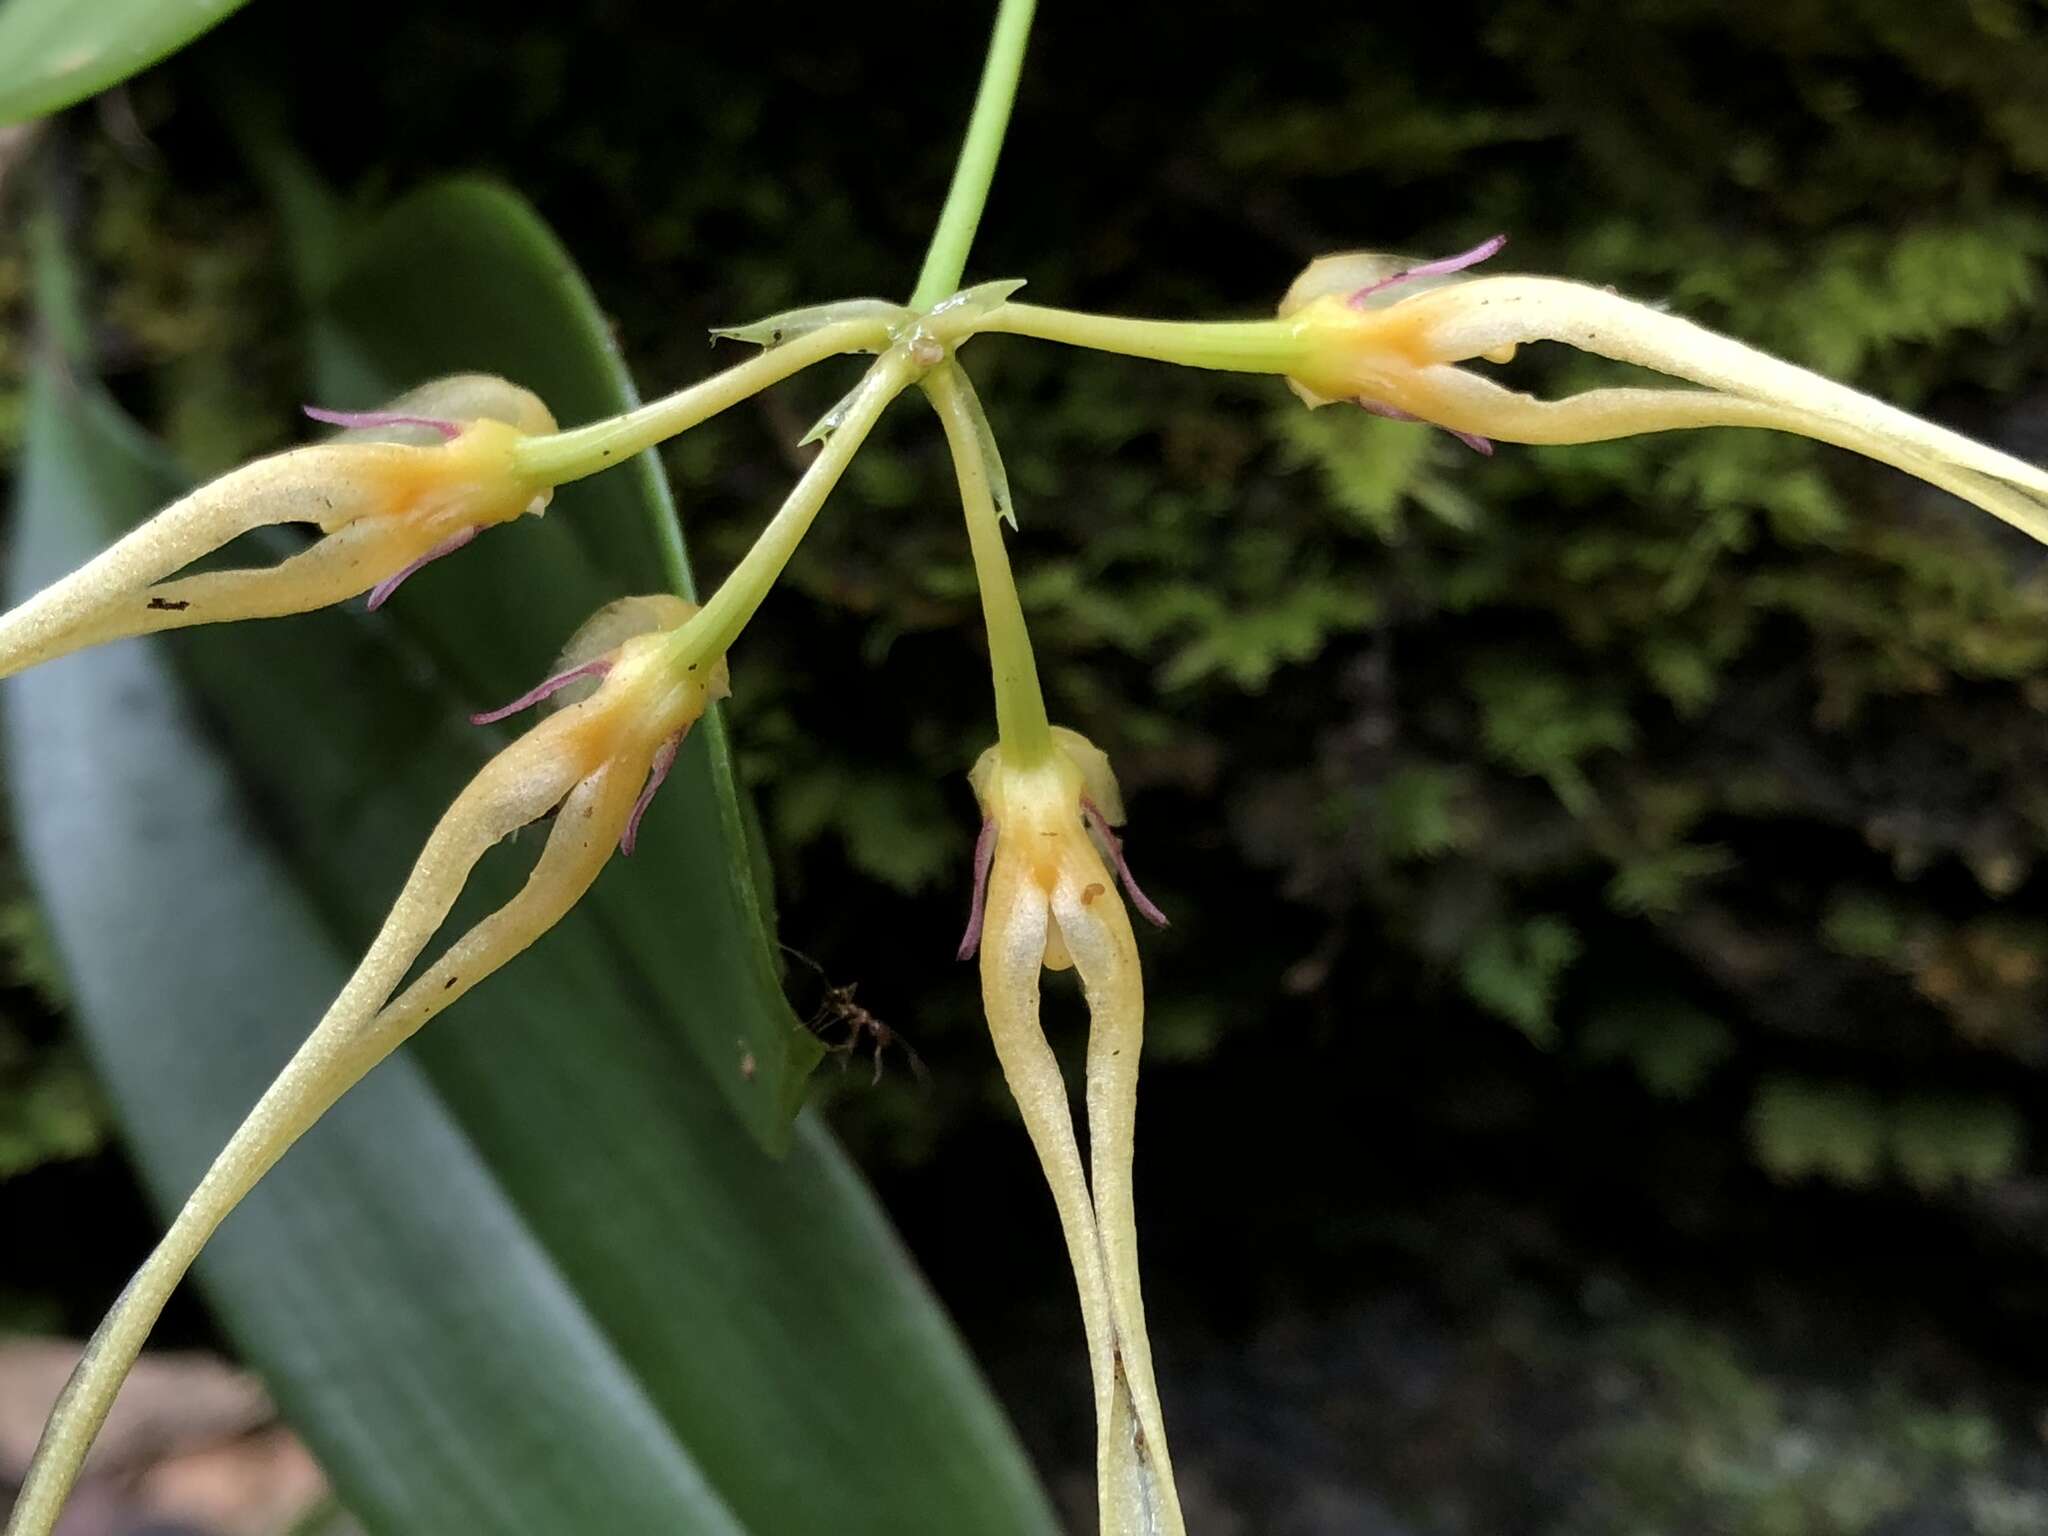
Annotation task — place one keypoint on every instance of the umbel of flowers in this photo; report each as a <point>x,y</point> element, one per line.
<point>420,478</point>
<point>1051,889</point>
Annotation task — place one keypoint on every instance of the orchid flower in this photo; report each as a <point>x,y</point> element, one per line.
<point>1045,898</point>
<point>594,762</point>
<point>403,486</point>
<point>1047,870</point>
<point>1389,334</point>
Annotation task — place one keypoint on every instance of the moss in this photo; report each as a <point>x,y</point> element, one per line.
<point>1695,1437</point>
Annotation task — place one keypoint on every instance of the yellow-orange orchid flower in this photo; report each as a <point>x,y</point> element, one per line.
<point>1045,898</point>
<point>403,486</point>
<point>595,763</point>
<point>1047,867</point>
<point>1388,334</point>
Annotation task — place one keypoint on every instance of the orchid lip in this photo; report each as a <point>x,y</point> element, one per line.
<point>381,593</point>
<point>1438,268</point>
<point>657,772</point>
<point>1115,848</point>
<point>984,856</point>
<point>542,690</point>
<point>449,430</point>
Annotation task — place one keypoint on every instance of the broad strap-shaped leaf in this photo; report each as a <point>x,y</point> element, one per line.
<point>535,1275</point>
<point>55,52</point>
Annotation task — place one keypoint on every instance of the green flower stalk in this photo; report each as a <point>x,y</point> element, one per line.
<point>1045,898</point>
<point>594,763</point>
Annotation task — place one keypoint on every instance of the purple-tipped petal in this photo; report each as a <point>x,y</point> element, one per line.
<point>535,694</point>
<point>381,593</point>
<point>449,430</point>
<point>1380,408</point>
<point>1115,847</point>
<point>1439,268</point>
<point>664,759</point>
<point>984,856</point>
<point>1471,440</point>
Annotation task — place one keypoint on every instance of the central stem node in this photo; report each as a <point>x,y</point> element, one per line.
<point>926,350</point>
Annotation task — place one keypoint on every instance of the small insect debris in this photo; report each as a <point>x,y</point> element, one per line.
<point>838,1009</point>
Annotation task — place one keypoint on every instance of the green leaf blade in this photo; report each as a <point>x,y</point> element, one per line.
<point>56,52</point>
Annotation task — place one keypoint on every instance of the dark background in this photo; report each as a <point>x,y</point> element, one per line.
<point>1594,1074</point>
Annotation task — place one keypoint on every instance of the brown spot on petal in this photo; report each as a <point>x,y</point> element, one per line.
<point>167,605</point>
<point>1089,893</point>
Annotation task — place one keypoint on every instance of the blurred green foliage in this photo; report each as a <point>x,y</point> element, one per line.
<point>50,1108</point>
<point>1697,1438</point>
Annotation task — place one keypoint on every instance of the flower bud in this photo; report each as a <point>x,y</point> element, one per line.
<point>399,488</point>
